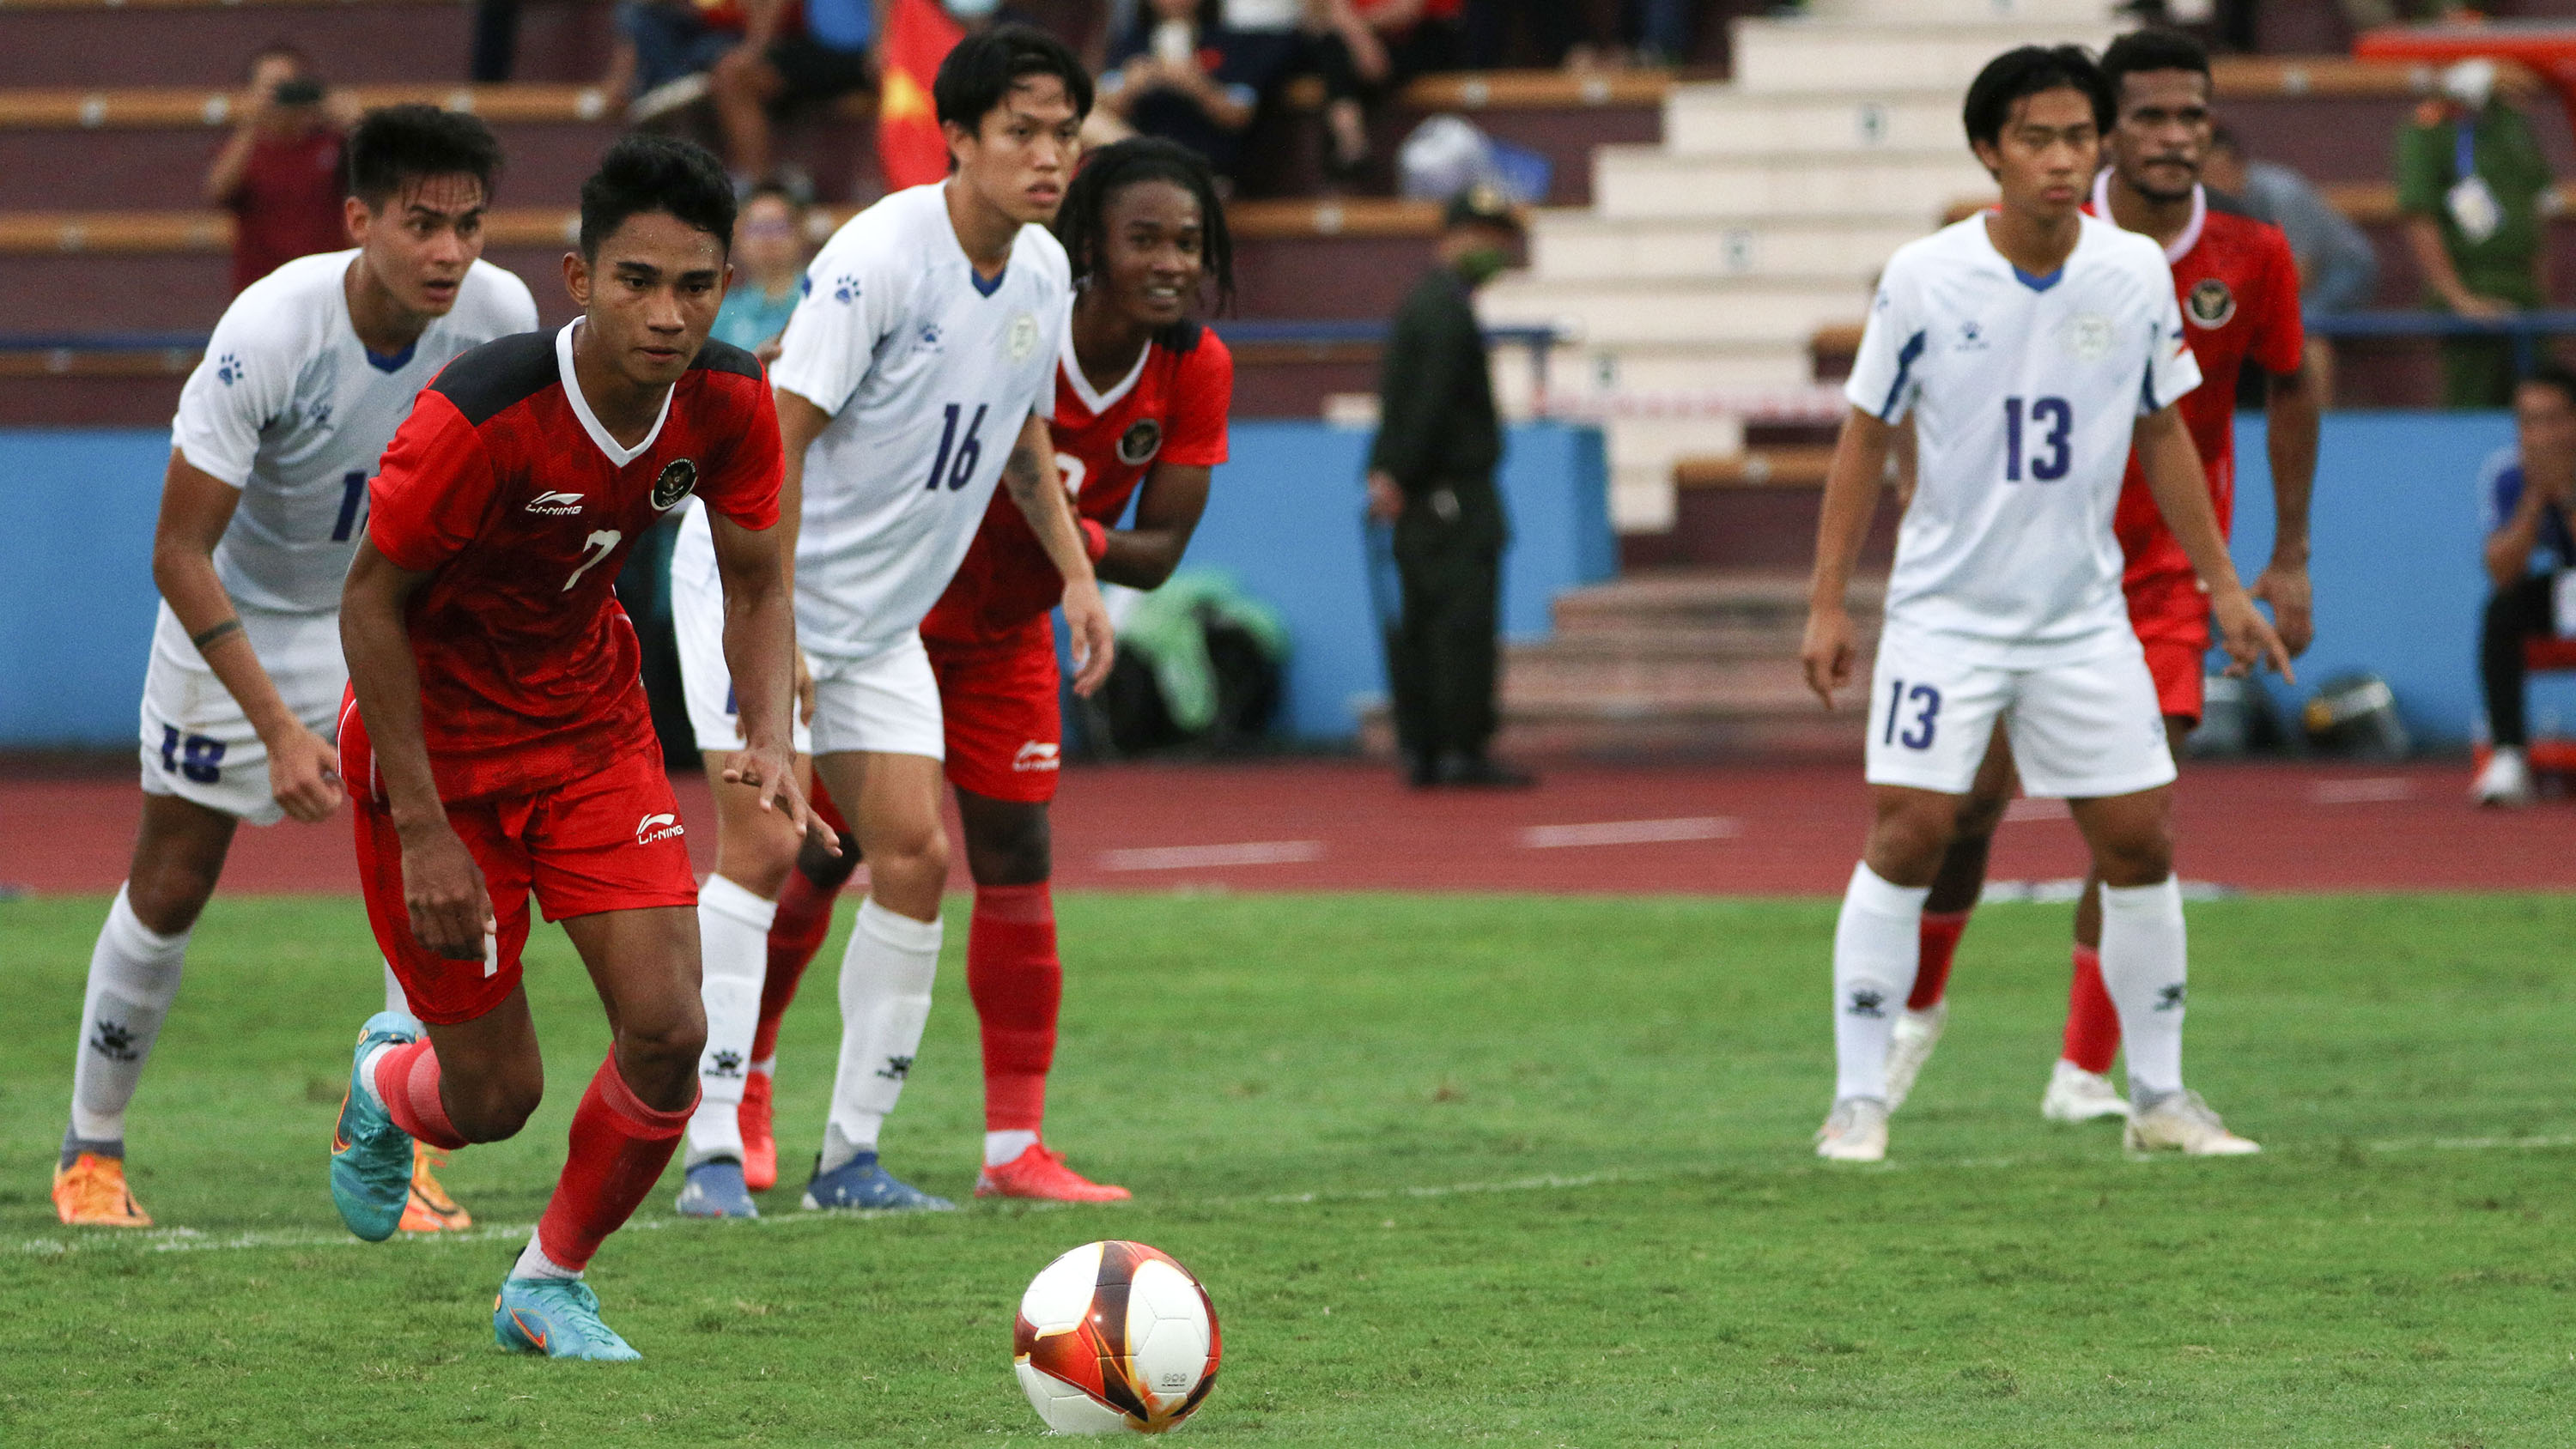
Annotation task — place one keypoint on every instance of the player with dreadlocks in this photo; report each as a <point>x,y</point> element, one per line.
<point>1142,394</point>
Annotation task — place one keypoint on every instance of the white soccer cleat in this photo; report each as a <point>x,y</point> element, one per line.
<point>2076,1095</point>
<point>1856,1131</point>
<point>1917,1032</point>
<point>2506,780</point>
<point>2182,1122</point>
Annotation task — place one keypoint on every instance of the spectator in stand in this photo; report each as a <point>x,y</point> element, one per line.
<point>778,65</point>
<point>279,171</point>
<point>2529,494</point>
<point>1179,74</point>
<point>1366,49</point>
<point>2338,268</point>
<point>768,268</point>
<point>665,50</point>
<point>2470,179</point>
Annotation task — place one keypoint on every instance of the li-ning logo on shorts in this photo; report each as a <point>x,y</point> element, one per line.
<point>555,504</point>
<point>679,478</point>
<point>2210,303</point>
<point>1142,440</point>
<point>658,827</point>
<point>1036,755</point>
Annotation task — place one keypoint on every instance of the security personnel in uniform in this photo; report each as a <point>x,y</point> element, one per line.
<point>1431,475</point>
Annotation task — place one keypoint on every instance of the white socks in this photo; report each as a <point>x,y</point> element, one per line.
<point>885,1000</point>
<point>395,999</point>
<point>733,952</point>
<point>533,1263</point>
<point>2143,967</point>
<point>1001,1147</point>
<point>1878,942</point>
<point>133,978</point>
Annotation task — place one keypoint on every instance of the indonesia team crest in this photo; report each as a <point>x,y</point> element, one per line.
<point>1142,440</point>
<point>679,479</point>
<point>2210,304</point>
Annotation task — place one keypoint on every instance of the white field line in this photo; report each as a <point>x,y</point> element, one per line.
<point>1204,857</point>
<point>2377,791</point>
<point>191,1240</point>
<point>1631,832</point>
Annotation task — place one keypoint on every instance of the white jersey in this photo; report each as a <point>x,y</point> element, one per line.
<point>2024,391</point>
<point>290,407</point>
<point>928,373</point>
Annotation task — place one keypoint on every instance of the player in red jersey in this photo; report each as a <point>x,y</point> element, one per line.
<point>1142,395</point>
<point>497,741</point>
<point>2239,290</point>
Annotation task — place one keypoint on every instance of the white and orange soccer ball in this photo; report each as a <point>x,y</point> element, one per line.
<point>1115,1338</point>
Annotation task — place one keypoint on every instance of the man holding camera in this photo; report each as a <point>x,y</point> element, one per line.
<point>279,173</point>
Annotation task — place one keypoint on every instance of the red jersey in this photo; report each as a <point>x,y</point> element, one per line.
<point>2239,290</point>
<point>1171,409</point>
<point>504,487</point>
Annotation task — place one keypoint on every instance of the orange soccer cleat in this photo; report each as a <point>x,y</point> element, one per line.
<point>91,1193</point>
<point>430,1209</point>
<point>1038,1173</point>
<point>759,1147</point>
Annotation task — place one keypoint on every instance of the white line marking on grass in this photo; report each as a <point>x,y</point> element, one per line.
<point>1202,857</point>
<point>1632,832</point>
<point>2379,790</point>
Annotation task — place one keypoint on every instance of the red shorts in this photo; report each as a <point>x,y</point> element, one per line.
<point>609,841</point>
<point>2171,614</point>
<point>1005,731</point>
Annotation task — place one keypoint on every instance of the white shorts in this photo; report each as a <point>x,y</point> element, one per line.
<point>196,742</point>
<point>697,619</point>
<point>2080,730</point>
<point>884,704</point>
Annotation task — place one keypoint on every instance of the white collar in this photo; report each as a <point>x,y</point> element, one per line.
<point>1099,402</point>
<point>590,420</point>
<point>2181,246</point>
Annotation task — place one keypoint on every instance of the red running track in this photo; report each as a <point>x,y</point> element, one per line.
<point>1344,825</point>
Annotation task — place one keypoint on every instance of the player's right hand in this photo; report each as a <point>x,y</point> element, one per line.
<point>304,774</point>
<point>451,916</point>
<point>2248,637</point>
<point>1829,652</point>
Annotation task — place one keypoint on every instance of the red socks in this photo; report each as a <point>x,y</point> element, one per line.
<point>2092,1022</point>
<point>619,1148</point>
<point>407,1080</point>
<point>1017,982</point>
<point>1940,942</point>
<point>804,918</point>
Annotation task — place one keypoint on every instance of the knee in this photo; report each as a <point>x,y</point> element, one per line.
<point>913,852</point>
<point>1906,846</point>
<point>2143,859</point>
<point>494,1108</point>
<point>665,1042</point>
<point>759,860</point>
<point>166,896</point>
<point>1018,851</point>
<point>1980,815</point>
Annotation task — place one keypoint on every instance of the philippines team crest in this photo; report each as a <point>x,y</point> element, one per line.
<point>1024,337</point>
<point>1142,440</point>
<point>679,479</point>
<point>2210,304</point>
<point>2088,335</point>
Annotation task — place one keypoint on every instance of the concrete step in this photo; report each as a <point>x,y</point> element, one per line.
<point>1733,736</point>
<point>368,40</point>
<point>1688,599</point>
<point>1588,367</point>
<point>1728,120</point>
<point>1583,246</point>
<point>2092,13</point>
<point>1641,182</point>
<point>1916,53</point>
<point>1614,314</point>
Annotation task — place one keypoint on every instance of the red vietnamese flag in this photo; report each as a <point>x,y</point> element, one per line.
<point>910,150</point>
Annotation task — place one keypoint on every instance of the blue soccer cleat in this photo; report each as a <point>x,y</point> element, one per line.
<point>557,1317</point>
<point>862,1183</point>
<point>370,1156</point>
<point>715,1189</point>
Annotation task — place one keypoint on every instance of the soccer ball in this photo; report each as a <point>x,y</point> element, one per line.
<point>1115,1338</point>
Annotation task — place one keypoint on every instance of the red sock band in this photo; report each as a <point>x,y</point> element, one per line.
<point>619,1148</point>
<point>1017,981</point>
<point>804,918</point>
<point>1940,942</point>
<point>2092,1022</point>
<point>407,1080</point>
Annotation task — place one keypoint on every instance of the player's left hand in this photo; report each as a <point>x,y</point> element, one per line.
<point>768,770</point>
<point>804,689</point>
<point>304,774</point>
<point>1095,644</point>
<point>2248,637</point>
<point>2285,587</point>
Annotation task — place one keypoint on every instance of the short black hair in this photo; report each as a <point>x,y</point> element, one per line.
<point>2551,375</point>
<point>2151,49</point>
<point>982,69</point>
<point>1082,222</point>
<point>393,145</point>
<point>647,173</point>
<point>2027,71</point>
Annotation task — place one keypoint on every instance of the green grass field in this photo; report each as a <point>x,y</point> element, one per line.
<point>1455,1169</point>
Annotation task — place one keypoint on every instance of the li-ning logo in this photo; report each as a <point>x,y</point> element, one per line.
<point>1866,1002</point>
<point>555,504</point>
<point>658,827</point>
<point>1036,755</point>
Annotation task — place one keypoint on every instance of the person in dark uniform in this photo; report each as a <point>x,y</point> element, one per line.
<point>1431,475</point>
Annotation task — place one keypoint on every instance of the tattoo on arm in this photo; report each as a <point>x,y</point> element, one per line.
<point>1023,470</point>
<point>229,626</point>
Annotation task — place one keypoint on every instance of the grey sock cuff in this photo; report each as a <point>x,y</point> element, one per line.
<point>74,1146</point>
